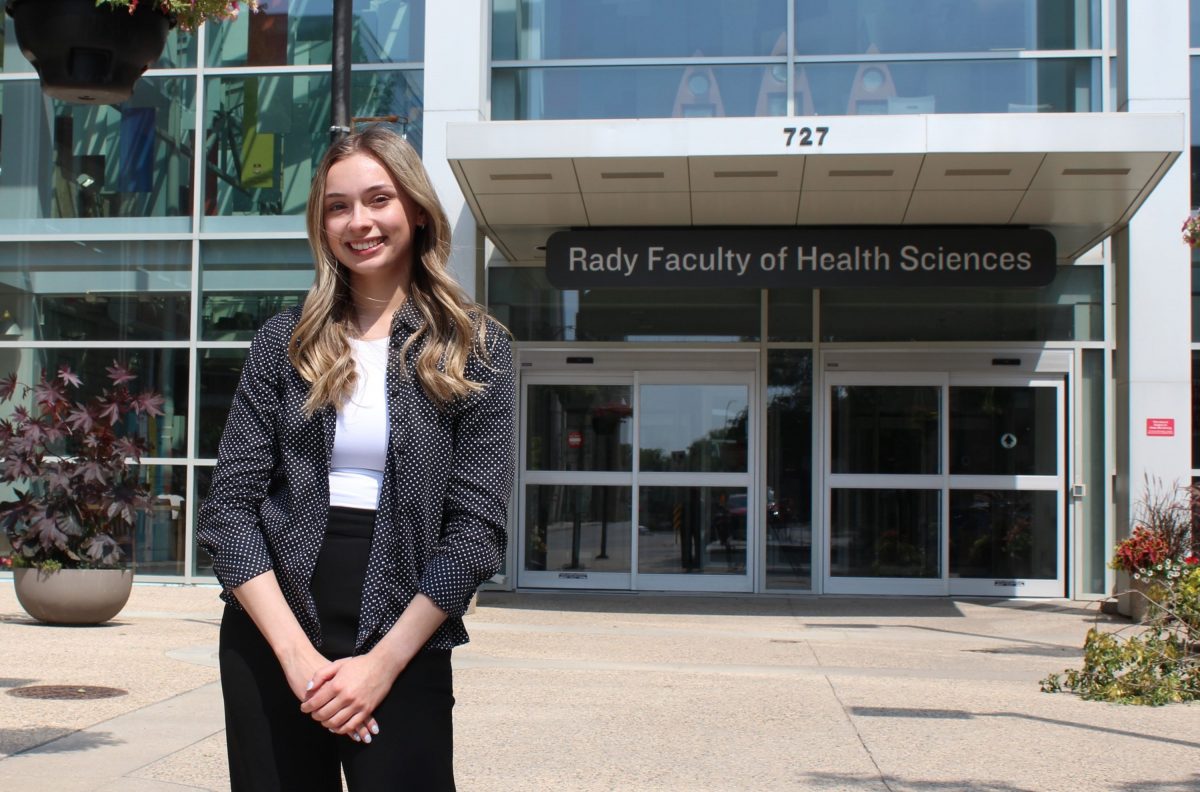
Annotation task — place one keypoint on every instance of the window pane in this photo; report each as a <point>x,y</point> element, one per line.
<point>219,372</point>
<point>95,291</point>
<point>161,370</point>
<point>1069,309</point>
<point>697,530</point>
<point>693,428</point>
<point>1003,431</point>
<point>1194,139</point>
<point>790,314</point>
<point>246,282</point>
<point>636,92</point>
<point>533,310</point>
<point>1003,534</point>
<point>983,86</point>
<point>853,26</point>
<point>1091,512</point>
<point>885,533</point>
<point>266,135</point>
<point>204,563</point>
<point>579,427</point>
<point>540,29</point>
<point>582,528</point>
<point>160,544</point>
<point>98,168</point>
<point>885,429</point>
<point>789,469</point>
<point>299,32</point>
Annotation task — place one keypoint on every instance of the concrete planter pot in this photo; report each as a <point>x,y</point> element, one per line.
<point>73,596</point>
<point>1134,601</point>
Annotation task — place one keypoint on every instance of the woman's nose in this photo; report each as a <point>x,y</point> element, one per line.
<point>359,217</point>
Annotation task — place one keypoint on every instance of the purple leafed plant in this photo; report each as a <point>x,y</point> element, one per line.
<point>73,470</point>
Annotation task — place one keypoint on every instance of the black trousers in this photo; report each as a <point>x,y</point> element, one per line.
<point>274,747</point>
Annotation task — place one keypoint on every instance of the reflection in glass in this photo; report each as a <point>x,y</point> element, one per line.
<point>982,86</point>
<point>885,429</point>
<point>584,528</point>
<point>95,291</point>
<point>537,29</point>
<point>265,135</point>
<point>854,26</point>
<point>219,371</point>
<point>693,428</point>
<point>698,530</point>
<point>1003,431</point>
<point>160,543</point>
<point>885,533</point>
<point>579,427</point>
<point>298,32</point>
<point>203,561</point>
<point>1093,472</point>
<point>161,370</point>
<point>1003,534</point>
<point>246,282</point>
<point>1071,308</point>
<point>789,469</point>
<point>97,167</point>
<point>533,310</point>
<point>569,92</point>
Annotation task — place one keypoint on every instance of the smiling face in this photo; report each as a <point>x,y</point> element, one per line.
<point>370,223</point>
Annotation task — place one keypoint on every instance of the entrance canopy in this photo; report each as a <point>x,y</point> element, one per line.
<point>1079,175</point>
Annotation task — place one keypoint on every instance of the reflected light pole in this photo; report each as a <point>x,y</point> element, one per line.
<point>343,24</point>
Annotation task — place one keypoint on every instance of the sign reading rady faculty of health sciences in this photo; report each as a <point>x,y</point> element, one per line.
<point>764,258</point>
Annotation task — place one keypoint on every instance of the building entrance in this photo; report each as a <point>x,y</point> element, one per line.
<point>943,483</point>
<point>637,480</point>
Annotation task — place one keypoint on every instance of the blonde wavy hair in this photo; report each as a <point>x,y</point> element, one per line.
<point>453,326</point>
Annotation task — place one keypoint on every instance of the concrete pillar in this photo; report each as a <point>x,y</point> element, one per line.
<point>1152,266</point>
<point>457,43</point>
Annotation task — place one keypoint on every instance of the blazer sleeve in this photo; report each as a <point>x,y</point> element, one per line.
<point>475,512</point>
<point>228,525</point>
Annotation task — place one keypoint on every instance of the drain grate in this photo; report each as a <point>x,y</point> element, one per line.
<point>66,692</point>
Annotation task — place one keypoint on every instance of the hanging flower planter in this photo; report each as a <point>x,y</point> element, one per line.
<point>1191,230</point>
<point>85,53</point>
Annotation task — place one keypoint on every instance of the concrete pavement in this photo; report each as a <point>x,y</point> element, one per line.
<point>659,693</point>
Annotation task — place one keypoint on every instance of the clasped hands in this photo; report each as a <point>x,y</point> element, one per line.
<point>342,695</point>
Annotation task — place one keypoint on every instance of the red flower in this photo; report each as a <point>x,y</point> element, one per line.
<point>1191,560</point>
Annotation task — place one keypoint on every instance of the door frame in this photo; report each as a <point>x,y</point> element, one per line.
<point>1049,368</point>
<point>634,370</point>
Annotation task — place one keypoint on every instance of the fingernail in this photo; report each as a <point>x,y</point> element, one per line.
<point>374,728</point>
<point>354,736</point>
<point>331,731</point>
<point>310,683</point>
<point>366,738</point>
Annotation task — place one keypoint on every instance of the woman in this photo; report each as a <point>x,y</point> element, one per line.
<point>360,493</point>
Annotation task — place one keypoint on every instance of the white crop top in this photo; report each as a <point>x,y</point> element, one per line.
<point>360,444</point>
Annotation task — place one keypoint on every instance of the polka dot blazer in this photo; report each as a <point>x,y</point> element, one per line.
<point>440,525</point>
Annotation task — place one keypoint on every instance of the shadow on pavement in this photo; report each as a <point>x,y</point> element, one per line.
<point>33,739</point>
<point>892,783</point>
<point>733,605</point>
<point>954,714</point>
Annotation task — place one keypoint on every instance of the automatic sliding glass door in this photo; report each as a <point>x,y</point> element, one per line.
<point>637,481</point>
<point>944,484</point>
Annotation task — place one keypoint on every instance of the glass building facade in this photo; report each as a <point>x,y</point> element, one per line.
<point>165,230</point>
<point>162,231</point>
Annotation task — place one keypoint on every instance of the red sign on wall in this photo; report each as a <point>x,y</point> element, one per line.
<point>1160,427</point>
<point>575,439</point>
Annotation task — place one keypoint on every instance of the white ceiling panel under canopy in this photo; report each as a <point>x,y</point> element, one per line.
<point>1079,175</point>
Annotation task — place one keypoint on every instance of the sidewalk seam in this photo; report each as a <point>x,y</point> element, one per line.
<point>858,735</point>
